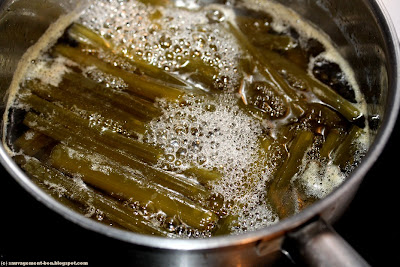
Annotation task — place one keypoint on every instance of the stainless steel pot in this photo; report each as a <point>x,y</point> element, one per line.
<point>363,34</point>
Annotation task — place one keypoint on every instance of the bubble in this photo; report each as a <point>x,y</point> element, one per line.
<point>200,40</point>
<point>195,53</point>
<point>319,179</point>
<point>184,43</point>
<point>177,49</point>
<point>147,209</point>
<point>210,107</point>
<point>215,15</point>
<point>154,28</point>
<point>201,160</point>
<point>165,41</point>
<point>161,217</point>
<point>181,152</point>
<point>216,202</point>
<point>171,224</point>
<point>174,143</point>
<point>169,55</point>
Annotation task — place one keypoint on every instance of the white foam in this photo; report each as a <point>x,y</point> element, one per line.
<point>58,189</point>
<point>29,135</point>
<point>217,135</point>
<point>320,179</point>
<point>48,71</point>
<point>168,42</point>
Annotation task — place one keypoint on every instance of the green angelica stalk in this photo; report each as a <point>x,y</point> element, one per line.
<point>202,175</point>
<point>226,225</point>
<point>263,65</point>
<point>113,179</point>
<point>71,188</point>
<point>279,191</point>
<point>88,108</point>
<point>140,150</point>
<point>139,108</point>
<point>184,186</point>
<point>320,90</point>
<point>274,42</point>
<point>333,140</point>
<point>200,72</point>
<point>344,154</point>
<point>270,63</point>
<point>264,97</point>
<point>32,142</point>
<point>142,86</point>
<point>98,133</point>
<point>86,36</point>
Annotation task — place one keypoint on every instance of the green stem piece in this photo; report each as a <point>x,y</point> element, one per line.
<point>279,191</point>
<point>184,186</point>
<point>77,191</point>
<point>124,183</point>
<point>333,140</point>
<point>344,154</point>
<point>88,108</point>
<point>118,142</point>
<point>142,86</point>
<point>86,36</point>
<point>32,142</point>
<point>139,108</point>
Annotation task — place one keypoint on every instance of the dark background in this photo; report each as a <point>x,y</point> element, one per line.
<point>29,231</point>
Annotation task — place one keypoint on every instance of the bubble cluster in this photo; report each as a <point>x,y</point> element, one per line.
<point>49,73</point>
<point>172,39</point>
<point>320,179</point>
<point>107,80</point>
<point>215,134</point>
<point>207,132</point>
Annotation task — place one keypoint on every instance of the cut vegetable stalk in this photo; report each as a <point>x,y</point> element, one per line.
<point>272,62</point>
<point>263,65</point>
<point>279,191</point>
<point>104,115</point>
<point>185,186</point>
<point>140,108</point>
<point>114,180</point>
<point>320,90</point>
<point>264,97</point>
<point>274,42</point>
<point>111,208</point>
<point>31,142</point>
<point>85,127</point>
<point>333,140</point>
<point>344,154</point>
<point>226,225</point>
<point>202,175</point>
<point>142,86</point>
<point>200,72</point>
<point>84,35</point>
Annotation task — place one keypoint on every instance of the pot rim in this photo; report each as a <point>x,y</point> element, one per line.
<point>266,233</point>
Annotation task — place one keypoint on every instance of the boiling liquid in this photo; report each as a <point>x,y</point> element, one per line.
<point>209,130</point>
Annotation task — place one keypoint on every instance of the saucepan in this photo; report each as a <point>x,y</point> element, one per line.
<point>363,34</point>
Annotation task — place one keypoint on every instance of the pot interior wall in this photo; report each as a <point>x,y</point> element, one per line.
<point>22,23</point>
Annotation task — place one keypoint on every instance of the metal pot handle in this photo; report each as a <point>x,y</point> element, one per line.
<point>318,244</point>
